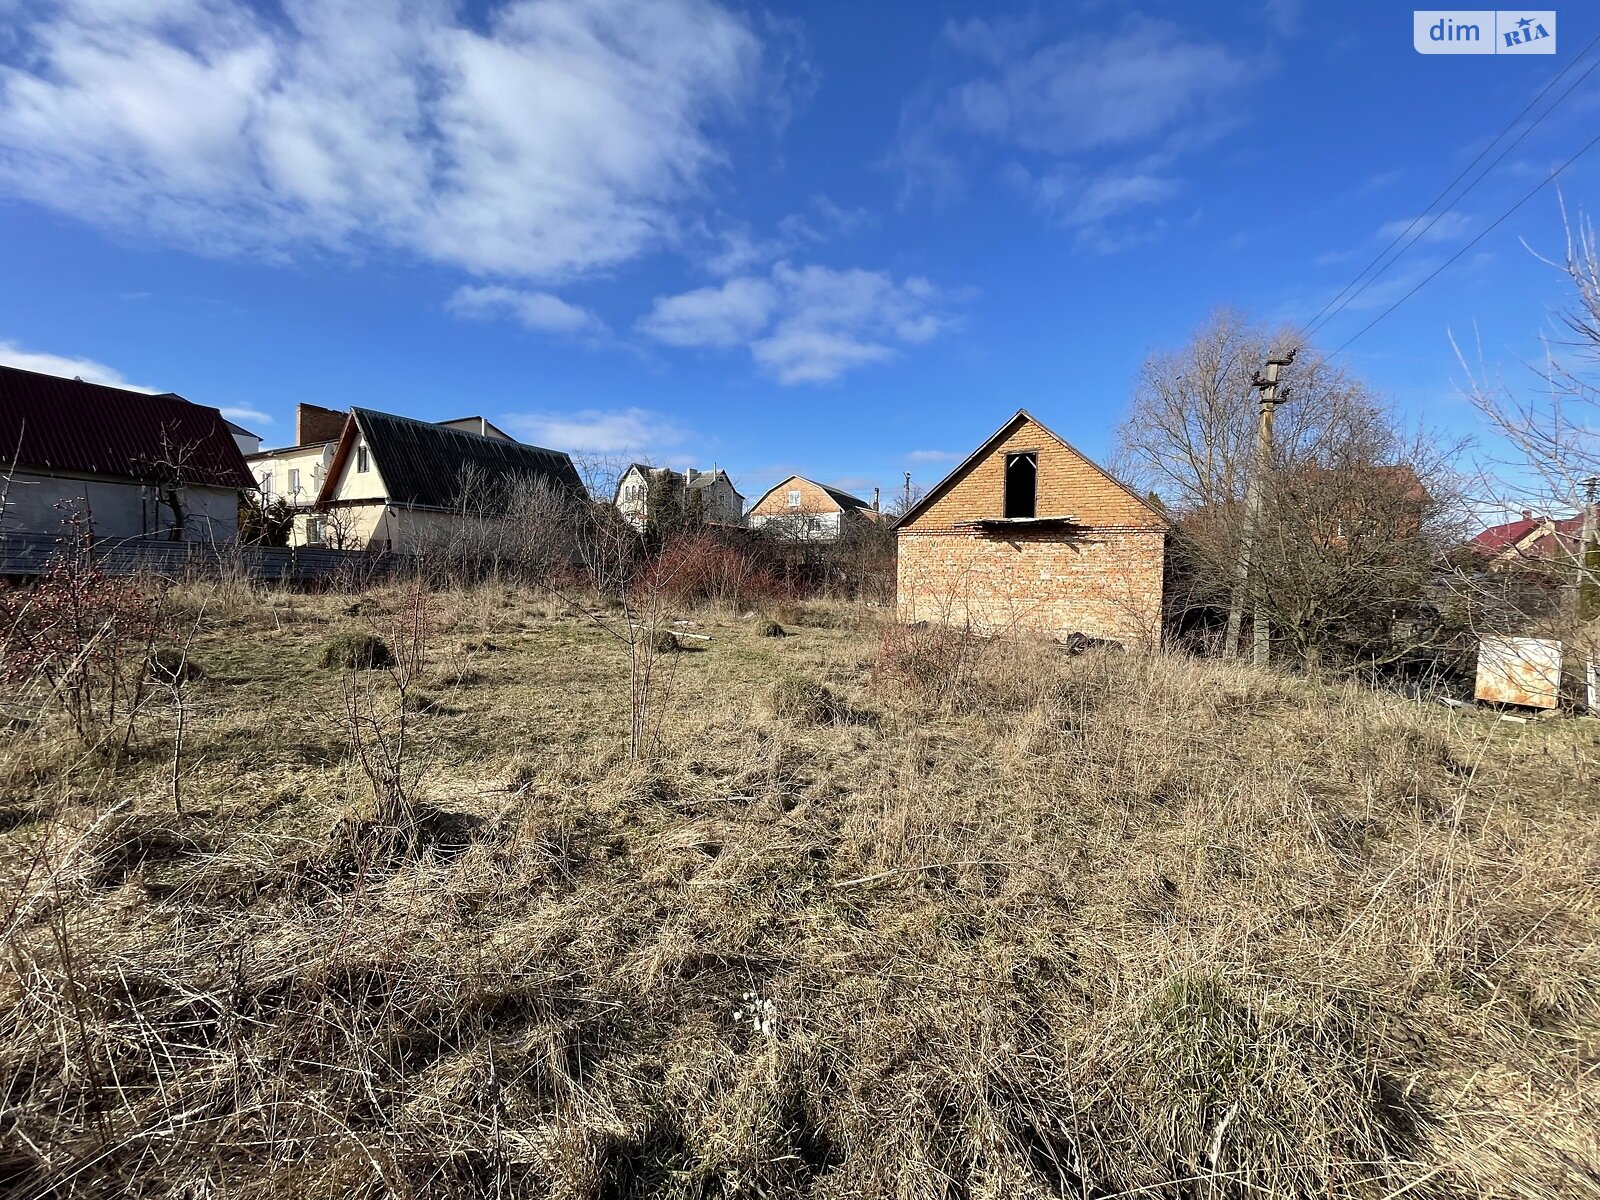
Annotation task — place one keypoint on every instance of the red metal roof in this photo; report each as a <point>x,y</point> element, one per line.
<point>55,424</point>
<point>1502,537</point>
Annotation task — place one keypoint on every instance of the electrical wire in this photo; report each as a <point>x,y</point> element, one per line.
<point>1319,320</point>
<point>1537,188</point>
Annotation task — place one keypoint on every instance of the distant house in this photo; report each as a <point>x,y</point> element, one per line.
<point>1029,534</point>
<point>643,491</point>
<point>294,474</point>
<point>143,466</point>
<point>393,483</point>
<point>248,443</point>
<point>1530,539</point>
<point>803,510</point>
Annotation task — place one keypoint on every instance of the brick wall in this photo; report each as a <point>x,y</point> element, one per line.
<point>1101,577</point>
<point>1069,486</point>
<point>812,499</point>
<point>1106,584</point>
<point>313,423</point>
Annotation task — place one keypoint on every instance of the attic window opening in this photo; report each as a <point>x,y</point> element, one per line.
<point>1022,484</point>
<point>363,459</point>
<point>794,499</point>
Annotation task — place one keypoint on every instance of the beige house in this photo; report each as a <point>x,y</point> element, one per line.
<point>703,495</point>
<point>396,484</point>
<point>800,509</point>
<point>1029,534</point>
<point>295,474</point>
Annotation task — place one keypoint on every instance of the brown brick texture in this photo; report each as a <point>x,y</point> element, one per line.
<point>1101,577</point>
<point>812,499</point>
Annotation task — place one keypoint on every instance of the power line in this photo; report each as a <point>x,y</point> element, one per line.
<point>1435,272</point>
<point>1318,319</point>
<point>1423,231</point>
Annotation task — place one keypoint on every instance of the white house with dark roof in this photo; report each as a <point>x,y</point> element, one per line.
<point>394,483</point>
<point>709,495</point>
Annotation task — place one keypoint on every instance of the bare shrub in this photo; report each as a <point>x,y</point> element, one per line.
<point>84,638</point>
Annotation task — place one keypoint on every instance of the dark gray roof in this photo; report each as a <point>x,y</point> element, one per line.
<point>706,478</point>
<point>844,499</point>
<point>422,463</point>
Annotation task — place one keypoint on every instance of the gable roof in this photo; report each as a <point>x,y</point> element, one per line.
<point>702,479</point>
<point>91,429</point>
<point>705,479</point>
<point>626,471</point>
<point>1510,536</point>
<point>993,440</point>
<point>842,498</point>
<point>421,463</point>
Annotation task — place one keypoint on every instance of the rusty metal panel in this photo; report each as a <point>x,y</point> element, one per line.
<point>1519,670</point>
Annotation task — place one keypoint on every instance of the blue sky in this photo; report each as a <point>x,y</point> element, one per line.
<point>841,239</point>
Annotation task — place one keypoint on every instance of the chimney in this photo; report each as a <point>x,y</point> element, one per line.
<point>313,423</point>
<point>874,499</point>
<point>689,474</point>
<point>1526,515</point>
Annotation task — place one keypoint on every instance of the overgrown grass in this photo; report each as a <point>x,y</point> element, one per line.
<point>1104,926</point>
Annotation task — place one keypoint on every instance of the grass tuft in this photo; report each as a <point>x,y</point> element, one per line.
<point>355,649</point>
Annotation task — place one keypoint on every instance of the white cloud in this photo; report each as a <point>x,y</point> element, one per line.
<point>932,456</point>
<point>807,324</point>
<point>712,316</point>
<point>1092,204</point>
<point>1446,227</point>
<point>738,249</point>
<point>543,311</point>
<point>541,139</point>
<point>247,416</point>
<point>1091,125</point>
<point>1284,16</point>
<point>631,431</point>
<point>87,369</point>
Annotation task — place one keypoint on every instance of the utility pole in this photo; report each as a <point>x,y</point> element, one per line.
<point>1267,385</point>
<point>907,505</point>
<point>1588,584</point>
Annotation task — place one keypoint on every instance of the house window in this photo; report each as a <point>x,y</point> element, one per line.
<point>316,530</point>
<point>794,499</point>
<point>266,485</point>
<point>294,481</point>
<point>363,460</point>
<point>1022,484</point>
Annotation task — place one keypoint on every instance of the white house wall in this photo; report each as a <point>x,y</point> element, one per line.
<point>118,509</point>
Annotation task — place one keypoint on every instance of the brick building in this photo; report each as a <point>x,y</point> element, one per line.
<point>1029,534</point>
<point>803,510</point>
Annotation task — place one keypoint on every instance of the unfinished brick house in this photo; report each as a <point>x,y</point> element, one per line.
<point>1029,534</point>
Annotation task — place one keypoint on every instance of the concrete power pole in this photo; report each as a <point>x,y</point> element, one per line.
<point>1267,385</point>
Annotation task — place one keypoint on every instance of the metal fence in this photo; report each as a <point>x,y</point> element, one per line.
<point>25,554</point>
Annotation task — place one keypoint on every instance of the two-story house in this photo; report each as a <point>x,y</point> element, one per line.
<point>646,493</point>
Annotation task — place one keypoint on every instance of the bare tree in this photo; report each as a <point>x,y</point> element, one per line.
<point>1547,436</point>
<point>1356,511</point>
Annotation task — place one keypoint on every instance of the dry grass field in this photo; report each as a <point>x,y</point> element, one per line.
<point>880,915</point>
